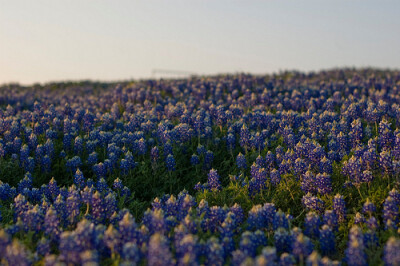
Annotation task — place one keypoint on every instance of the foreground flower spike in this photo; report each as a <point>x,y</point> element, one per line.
<point>355,253</point>
<point>158,252</point>
<point>391,252</point>
<point>16,254</point>
<point>327,240</point>
<point>302,247</point>
<point>312,223</point>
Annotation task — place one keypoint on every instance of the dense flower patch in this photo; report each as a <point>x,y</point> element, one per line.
<point>285,169</point>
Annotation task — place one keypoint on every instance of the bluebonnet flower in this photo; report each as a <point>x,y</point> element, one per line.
<point>155,221</point>
<point>89,257</point>
<point>170,162</point>
<point>59,206</point>
<point>370,239</point>
<point>78,145</point>
<point>386,161</point>
<point>282,240</point>
<point>79,179</point>
<point>92,158</point>
<point>312,223</point>
<point>238,211</point>
<point>280,220</point>
<point>369,207</point>
<point>112,239</point>
<point>268,256</point>
<point>88,121</point>
<point>391,254</point>
<point>72,205</point>
<point>269,159</point>
<point>101,185</point>
<point>30,164</point>
<point>261,216</point>
<point>339,207</point>
<point>99,170</point>
<point>17,254</point>
<point>69,248</point>
<point>356,132</point>
<point>158,252</point>
<point>33,219</point>
<point>2,150</point>
<point>247,244</point>
<point>124,166</point>
<point>201,149</point>
<point>98,209</point>
<point>46,164</point>
<point>52,224</point>
<point>24,154</point>
<point>258,181</point>
<point>385,134</point>
<point>395,195</point>
<point>194,160</point>
<point>325,166</point>
<point>300,167</point>
<point>130,253</point>
<point>6,192</point>
<point>117,185</point>
<point>214,219</point>
<point>128,228</point>
<point>32,141</point>
<point>396,147</point>
<point>330,219</point>
<point>24,183</point>
<point>208,159</point>
<point>327,240</point>
<point>171,206</point>
<point>244,138</point>
<point>154,154</point>
<point>343,142</point>
<point>359,218</point>
<point>308,183</point>
<point>302,247</point>
<point>215,252</point>
<point>73,163</point>
<point>312,203</point>
<point>323,183</point>
<point>372,223</point>
<point>43,247</point>
<point>241,161</point>
<point>390,212</point>
<point>355,254</point>
<point>275,177</point>
<point>213,180</point>
<point>142,146</point>
<point>287,259</point>
<point>53,188</point>
<point>167,149</point>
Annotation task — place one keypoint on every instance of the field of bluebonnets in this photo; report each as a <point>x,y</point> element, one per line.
<point>284,169</point>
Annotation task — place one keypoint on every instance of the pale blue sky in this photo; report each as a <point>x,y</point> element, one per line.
<point>48,40</point>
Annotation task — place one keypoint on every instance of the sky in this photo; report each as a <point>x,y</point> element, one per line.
<point>54,40</point>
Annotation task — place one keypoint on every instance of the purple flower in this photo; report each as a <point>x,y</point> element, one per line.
<point>339,207</point>
<point>391,255</point>
<point>213,180</point>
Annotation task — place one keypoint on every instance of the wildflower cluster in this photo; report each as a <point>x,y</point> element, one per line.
<point>282,169</point>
